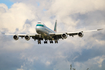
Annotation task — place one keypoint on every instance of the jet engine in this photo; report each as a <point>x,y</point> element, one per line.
<point>15,37</point>
<point>80,34</point>
<point>64,36</point>
<point>27,37</point>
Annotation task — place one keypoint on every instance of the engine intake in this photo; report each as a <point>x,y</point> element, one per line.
<point>15,37</point>
<point>27,37</point>
<point>80,34</point>
<point>64,36</point>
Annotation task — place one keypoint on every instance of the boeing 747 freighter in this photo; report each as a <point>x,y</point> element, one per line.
<point>45,33</point>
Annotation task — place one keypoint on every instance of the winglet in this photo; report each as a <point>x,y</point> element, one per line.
<point>99,29</point>
<point>55,27</point>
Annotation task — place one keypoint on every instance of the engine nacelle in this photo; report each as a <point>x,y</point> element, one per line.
<point>15,37</point>
<point>64,36</point>
<point>27,37</point>
<point>80,34</point>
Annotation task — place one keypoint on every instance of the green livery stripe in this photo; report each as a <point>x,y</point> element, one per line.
<point>39,25</point>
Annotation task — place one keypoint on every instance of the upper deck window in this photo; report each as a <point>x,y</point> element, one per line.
<point>39,22</point>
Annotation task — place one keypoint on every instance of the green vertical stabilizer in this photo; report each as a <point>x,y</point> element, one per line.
<point>55,27</point>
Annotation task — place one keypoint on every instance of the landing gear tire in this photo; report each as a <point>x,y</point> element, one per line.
<point>39,42</point>
<point>45,42</point>
<point>51,41</point>
<point>56,41</point>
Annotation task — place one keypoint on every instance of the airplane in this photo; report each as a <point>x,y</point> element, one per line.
<point>45,33</point>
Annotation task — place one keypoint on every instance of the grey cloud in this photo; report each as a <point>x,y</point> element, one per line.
<point>90,19</point>
<point>99,35</point>
<point>28,22</point>
<point>103,65</point>
<point>90,53</point>
<point>10,60</point>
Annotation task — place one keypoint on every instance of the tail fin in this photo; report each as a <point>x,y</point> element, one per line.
<point>55,27</point>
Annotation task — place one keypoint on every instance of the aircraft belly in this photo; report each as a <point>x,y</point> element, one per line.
<point>44,32</point>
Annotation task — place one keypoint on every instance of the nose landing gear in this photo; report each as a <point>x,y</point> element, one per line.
<point>56,41</point>
<point>39,42</point>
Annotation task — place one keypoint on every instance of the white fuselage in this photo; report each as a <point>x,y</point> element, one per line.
<point>43,30</point>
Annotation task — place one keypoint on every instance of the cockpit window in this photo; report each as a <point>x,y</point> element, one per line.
<point>39,22</point>
<point>40,25</point>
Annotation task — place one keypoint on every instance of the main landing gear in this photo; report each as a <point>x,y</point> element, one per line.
<point>45,42</point>
<point>51,41</point>
<point>56,41</point>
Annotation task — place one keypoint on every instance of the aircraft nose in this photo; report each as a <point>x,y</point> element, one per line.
<point>38,29</point>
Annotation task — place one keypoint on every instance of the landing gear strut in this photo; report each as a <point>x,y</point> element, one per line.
<point>39,42</point>
<point>56,41</point>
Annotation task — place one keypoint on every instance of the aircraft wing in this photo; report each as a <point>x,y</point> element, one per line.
<point>64,35</point>
<point>21,35</point>
<point>26,36</point>
<point>54,36</point>
<point>58,36</point>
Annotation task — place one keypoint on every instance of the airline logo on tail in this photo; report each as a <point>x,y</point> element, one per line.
<point>55,27</point>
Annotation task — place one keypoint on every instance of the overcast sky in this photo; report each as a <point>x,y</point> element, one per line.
<point>21,16</point>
